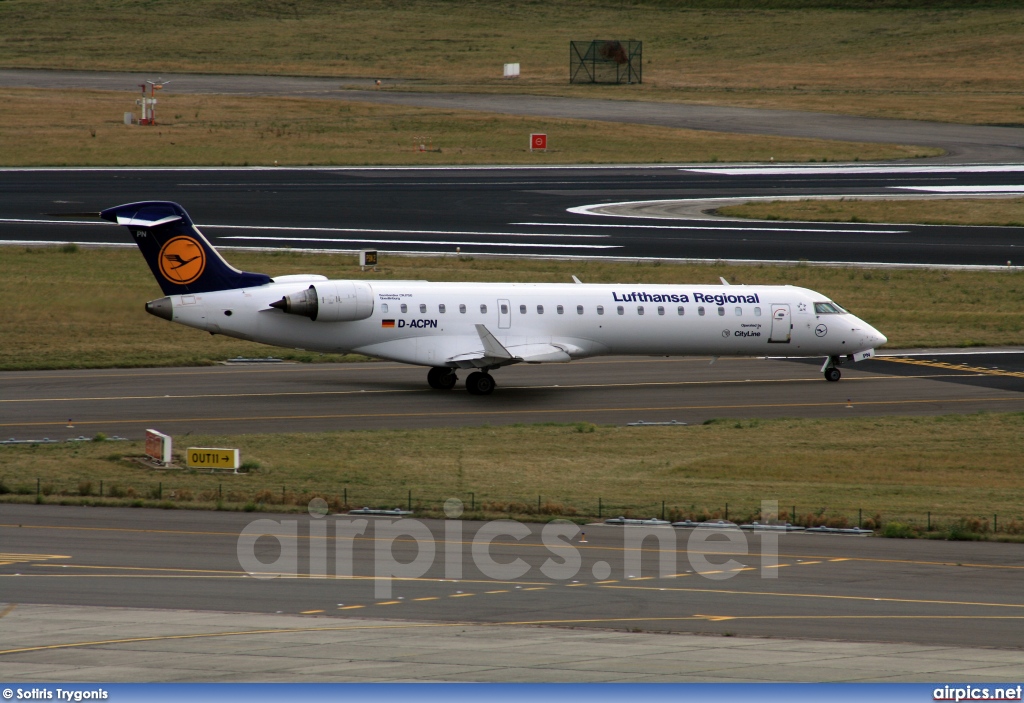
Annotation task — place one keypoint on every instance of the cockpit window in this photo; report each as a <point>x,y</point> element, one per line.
<point>828,309</point>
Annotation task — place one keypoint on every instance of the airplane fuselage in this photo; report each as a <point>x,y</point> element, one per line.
<point>433,324</point>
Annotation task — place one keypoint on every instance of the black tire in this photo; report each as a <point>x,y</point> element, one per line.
<point>833,374</point>
<point>441,378</point>
<point>433,378</point>
<point>478,383</point>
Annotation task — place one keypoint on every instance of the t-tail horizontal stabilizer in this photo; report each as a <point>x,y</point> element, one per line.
<point>181,258</point>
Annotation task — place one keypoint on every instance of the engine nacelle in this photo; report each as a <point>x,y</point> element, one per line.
<point>330,301</point>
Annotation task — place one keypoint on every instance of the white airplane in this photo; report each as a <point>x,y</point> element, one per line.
<point>482,326</point>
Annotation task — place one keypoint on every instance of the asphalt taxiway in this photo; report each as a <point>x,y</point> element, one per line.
<point>962,142</point>
<point>161,570</point>
<point>265,397</point>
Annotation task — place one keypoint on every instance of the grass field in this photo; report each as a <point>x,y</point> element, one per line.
<point>75,128</point>
<point>917,59</point>
<point>901,468</point>
<point>104,324</point>
<point>999,212</point>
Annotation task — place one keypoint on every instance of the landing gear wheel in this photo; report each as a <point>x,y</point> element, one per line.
<point>833,374</point>
<point>441,378</point>
<point>479,383</point>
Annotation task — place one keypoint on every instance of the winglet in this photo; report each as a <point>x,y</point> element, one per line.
<point>492,347</point>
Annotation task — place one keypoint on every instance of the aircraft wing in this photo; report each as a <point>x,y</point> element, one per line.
<point>494,353</point>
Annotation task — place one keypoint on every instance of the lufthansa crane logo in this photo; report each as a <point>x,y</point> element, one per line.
<point>182,260</point>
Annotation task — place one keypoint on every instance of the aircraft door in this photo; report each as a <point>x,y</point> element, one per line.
<point>504,315</point>
<point>782,324</point>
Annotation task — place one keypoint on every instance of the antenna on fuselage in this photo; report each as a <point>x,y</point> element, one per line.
<point>722,279</point>
<point>577,280</point>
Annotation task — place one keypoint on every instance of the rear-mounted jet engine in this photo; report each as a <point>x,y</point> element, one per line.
<point>330,301</point>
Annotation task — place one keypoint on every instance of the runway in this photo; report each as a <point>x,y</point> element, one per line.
<point>515,211</point>
<point>267,398</point>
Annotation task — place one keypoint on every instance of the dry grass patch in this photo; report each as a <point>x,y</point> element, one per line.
<point>104,323</point>
<point>915,59</point>
<point>998,212</point>
<point>78,128</point>
<point>955,466</point>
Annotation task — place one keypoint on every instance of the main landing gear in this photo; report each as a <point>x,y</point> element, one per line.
<point>831,369</point>
<point>441,378</point>
<point>477,383</point>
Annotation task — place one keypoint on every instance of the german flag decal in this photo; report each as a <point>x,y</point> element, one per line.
<point>387,323</point>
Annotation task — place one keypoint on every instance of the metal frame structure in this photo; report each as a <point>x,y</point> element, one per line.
<point>606,61</point>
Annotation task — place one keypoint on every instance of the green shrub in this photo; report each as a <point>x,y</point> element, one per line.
<point>898,530</point>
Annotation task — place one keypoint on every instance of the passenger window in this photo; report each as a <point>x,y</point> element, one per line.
<point>739,311</point>
<point>423,307</point>
<point>757,312</point>
<point>600,309</point>
<point>462,308</point>
<point>560,310</point>
<point>661,309</point>
<point>483,309</point>
<point>621,310</point>
<point>384,307</point>
<point>700,310</point>
<point>579,309</point>
<point>504,309</point>
<point>540,309</point>
<point>440,308</point>
<point>639,309</point>
<point>522,309</point>
<point>721,311</point>
<point>680,309</point>
<point>405,308</point>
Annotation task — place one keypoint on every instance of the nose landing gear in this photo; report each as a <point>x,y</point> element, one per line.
<point>831,369</point>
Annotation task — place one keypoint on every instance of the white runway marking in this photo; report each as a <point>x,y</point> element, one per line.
<point>427,241</point>
<point>965,189</point>
<point>397,231</point>
<point>708,227</point>
<point>16,221</point>
<point>322,229</point>
<point>851,169</point>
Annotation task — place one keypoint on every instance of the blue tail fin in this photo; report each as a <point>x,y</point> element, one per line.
<point>181,258</point>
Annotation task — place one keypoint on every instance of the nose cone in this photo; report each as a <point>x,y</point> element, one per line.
<point>865,336</point>
<point>873,337</point>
